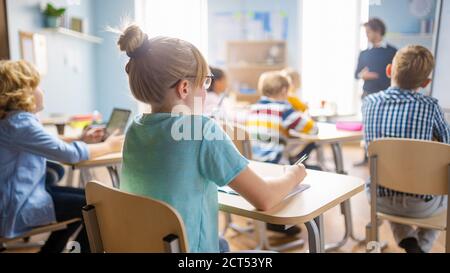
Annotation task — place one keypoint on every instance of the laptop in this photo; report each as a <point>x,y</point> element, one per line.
<point>118,121</point>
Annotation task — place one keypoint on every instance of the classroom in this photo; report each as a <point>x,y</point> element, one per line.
<point>224,126</point>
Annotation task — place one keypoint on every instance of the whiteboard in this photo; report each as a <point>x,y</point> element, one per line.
<point>441,79</point>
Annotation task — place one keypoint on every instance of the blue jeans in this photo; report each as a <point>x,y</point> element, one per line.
<point>224,247</point>
<point>68,203</point>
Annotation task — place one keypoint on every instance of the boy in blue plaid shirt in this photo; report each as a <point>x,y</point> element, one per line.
<point>402,112</point>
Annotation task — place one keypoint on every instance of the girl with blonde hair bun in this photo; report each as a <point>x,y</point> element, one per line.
<point>169,73</point>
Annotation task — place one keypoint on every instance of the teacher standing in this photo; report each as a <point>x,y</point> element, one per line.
<point>373,61</point>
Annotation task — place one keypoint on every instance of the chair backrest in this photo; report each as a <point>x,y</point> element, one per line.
<point>133,224</point>
<point>241,139</point>
<point>411,166</point>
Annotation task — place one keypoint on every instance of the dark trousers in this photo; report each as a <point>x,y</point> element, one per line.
<point>68,204</point>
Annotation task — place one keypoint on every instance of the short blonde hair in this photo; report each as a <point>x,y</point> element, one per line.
<point>159,63</point>
<point>273,83</point>
<point>294,75</point>
<point>18,80</point>
<point>412,66</point>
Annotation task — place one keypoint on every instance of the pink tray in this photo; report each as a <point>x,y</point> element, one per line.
<point>350,126</point>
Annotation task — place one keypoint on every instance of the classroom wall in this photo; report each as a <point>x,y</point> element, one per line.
<point>291,7</point>
<point>112,89</point>
<point>69,85</point>
<point>397,15</point>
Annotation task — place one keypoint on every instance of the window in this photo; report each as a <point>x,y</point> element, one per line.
<point>187,20</point>
<point>331,42</point>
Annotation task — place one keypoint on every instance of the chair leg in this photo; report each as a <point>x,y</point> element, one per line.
<point>373,243</point>
<point>447,240</point>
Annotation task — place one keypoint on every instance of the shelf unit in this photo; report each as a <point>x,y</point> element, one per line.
<point>248,60</point>
<point>75,34</point>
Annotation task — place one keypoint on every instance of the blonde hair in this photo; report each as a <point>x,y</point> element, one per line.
<point>273,83</point>
<point>412,66</point>
<point>295,77</point>
<point>157,64</point>
<point>18,80</point>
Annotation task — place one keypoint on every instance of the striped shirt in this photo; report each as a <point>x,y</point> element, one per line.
<point>397,113</point>
<point>269,123</point>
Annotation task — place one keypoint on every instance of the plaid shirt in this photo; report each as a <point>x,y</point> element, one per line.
<point>397,113</point>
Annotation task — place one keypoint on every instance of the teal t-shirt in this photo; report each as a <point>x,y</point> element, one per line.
<point>181,160</point>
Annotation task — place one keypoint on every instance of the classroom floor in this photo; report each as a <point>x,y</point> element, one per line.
<point>334,222</point>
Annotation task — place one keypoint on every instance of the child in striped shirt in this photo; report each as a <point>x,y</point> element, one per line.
<point>269,123</point>
<point>272,118</point>
<point>402,112</point>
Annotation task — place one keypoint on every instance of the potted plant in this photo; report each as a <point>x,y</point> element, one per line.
<point>53,16</point>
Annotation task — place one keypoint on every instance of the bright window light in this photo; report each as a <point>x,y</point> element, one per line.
<point>187,20</point>
<point>331,42</point>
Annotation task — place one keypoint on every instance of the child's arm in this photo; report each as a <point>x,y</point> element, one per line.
<point>302,123</point>
<point>31,137</point>
<point>297,104</point>
<point>90,135</point>
<point>112,144</point>
<point>266,194</point>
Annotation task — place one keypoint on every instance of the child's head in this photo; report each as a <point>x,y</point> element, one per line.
<point>295,77</point>
<point>375,30</point>
<point>164,72</point>
<point>220,82</point>
<point>411,67</point>
<point>19,91</point>
<point>274,85</point>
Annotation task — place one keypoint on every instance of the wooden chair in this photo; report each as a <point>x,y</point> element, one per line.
<point>34,232</point>
<point>411,166</point>
<point>118,222</point>
<point>241,139</point>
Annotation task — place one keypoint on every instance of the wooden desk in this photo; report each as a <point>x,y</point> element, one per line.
<point>329,134</point>
<point>327,191</point>
<point>110,161</point>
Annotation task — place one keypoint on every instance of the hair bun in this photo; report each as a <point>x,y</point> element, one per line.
<point>131,39</point>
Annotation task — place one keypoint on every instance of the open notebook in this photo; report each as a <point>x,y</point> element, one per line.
<point>299,189</point>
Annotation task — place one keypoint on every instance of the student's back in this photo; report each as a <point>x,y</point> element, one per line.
<point>402,112</point>
<point>397,113</point>
<point>182,170</point>
<point>178,156</point>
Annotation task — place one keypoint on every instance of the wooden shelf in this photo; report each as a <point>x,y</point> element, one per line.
<point>248,60</point>
<point>75,34</point>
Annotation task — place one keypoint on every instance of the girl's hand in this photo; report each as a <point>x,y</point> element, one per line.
<point>297,173</point>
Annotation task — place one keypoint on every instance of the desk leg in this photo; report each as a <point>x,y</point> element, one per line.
<point>316,236</point>
<point>114,174</point>
<point>70,177</point>
<point>85,177</point>
<point>346,206</point>
<point>264,244</point>
<point>230,225</point>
